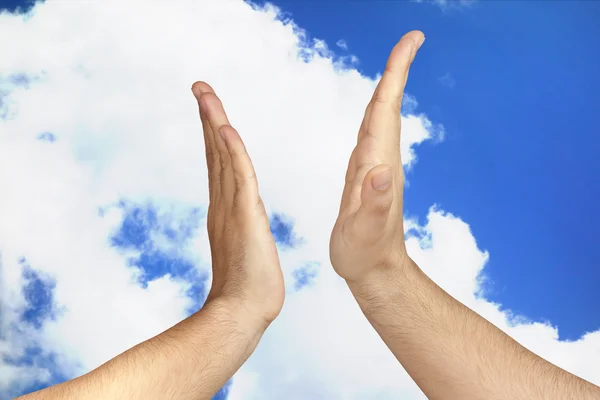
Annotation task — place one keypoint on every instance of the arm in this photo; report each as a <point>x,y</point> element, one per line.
<point>193,359</point>
<point>451,352</point>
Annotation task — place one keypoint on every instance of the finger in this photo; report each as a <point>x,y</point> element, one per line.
<point>392,83</point>
<point>377,196</point>
<point>351,170</point>
<point>385,112</point>
<point>217,118</point>
<point>363,131</point>
<point>350,173</point>
<point>246,186</point>
<point>212,154</point>
<point>361,161</point>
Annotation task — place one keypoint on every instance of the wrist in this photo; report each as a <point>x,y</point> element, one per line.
<point>235,311</point>
<point>383,283</point>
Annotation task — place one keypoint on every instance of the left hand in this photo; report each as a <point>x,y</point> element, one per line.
<point>368,236</point>
<point>245,263</point>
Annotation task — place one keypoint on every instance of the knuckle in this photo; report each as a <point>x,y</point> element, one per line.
<point>241,151</point>
<point>368,133</point>
<point>391,102</point>
<point>224,162</point>
<point>238,152</point>
<point>379,98</point>
<point>243,176</point>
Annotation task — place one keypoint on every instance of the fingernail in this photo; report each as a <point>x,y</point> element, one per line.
<point>422,40</point>
<point>382,181</point>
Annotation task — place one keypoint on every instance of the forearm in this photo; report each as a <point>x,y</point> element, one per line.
<point>450,351</point>
<point>192,360</point>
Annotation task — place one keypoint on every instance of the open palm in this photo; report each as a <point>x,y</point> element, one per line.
<point>368,231</point>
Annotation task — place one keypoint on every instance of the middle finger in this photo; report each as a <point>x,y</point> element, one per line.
<point>217,118</point>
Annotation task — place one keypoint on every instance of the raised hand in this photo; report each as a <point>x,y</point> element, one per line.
<point>368,234</point>
<point>245,263</point>
<point>194,358</point>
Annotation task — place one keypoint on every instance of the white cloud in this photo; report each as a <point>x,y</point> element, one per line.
<point>342,44</point>
<point>113,84</point>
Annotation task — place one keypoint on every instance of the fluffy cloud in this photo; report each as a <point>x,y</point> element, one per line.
<point>105,190</point>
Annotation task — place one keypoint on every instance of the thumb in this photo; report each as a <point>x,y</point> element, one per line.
<point>376,198</point>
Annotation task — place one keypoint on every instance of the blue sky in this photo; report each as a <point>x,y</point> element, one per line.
<point>514,84</point>
<point>520,159</point>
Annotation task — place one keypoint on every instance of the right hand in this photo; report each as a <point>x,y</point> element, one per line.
<point>368,234</point>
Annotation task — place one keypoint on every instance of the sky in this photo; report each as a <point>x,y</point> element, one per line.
<point>103,237</point>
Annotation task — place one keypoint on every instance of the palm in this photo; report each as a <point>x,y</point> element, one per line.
<point>244,257</point>
<point>369,226</point>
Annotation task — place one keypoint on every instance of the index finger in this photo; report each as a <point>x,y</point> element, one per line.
<point>198,89</point>
<point>392,83</point>
<point>387,100</point>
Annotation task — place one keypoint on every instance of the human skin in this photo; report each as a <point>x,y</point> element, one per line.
<point>195,358</point>
<point>451,352</point>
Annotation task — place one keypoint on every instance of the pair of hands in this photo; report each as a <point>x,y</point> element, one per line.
<point>368,236</point>
<point>450,351</point>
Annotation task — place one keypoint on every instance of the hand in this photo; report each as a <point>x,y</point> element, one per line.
<point>368,234</point>
<point>245,264</point>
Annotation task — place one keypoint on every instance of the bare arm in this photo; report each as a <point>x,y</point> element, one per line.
<point>451,352</point>
<point>192,360</point>
<point>195,358</point>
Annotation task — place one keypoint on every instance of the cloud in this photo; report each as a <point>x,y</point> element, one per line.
<point>282,228</point>
<point>37,292</point>
<point>447,80</point>
<point>342,44</point>
<point>47,137</point>
<point>26,366</point>
<point>305,275</point>
<point>112,213</point>
<point>153,241</point>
